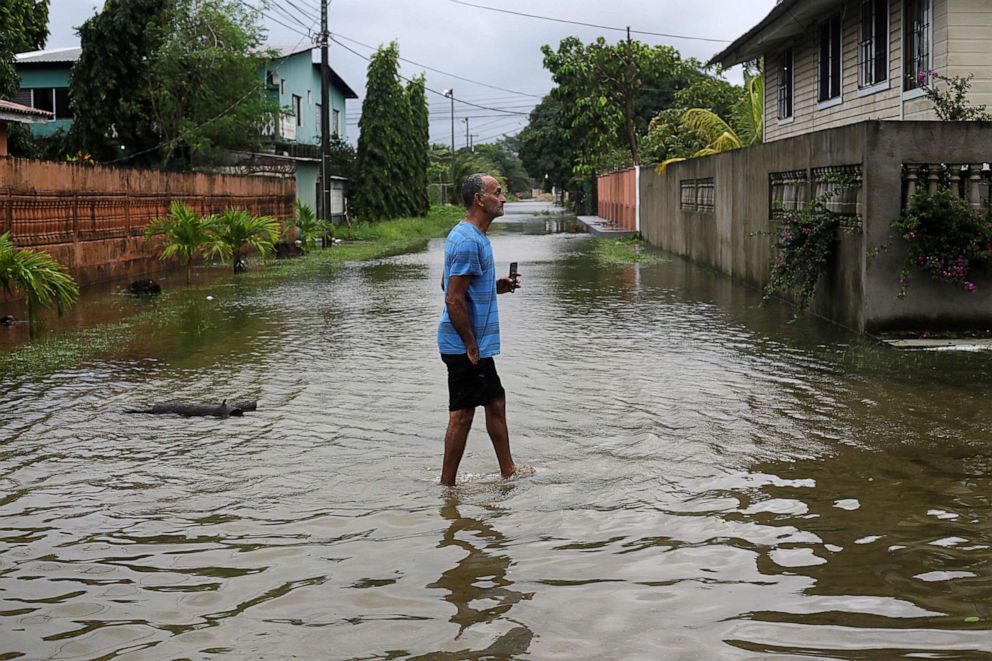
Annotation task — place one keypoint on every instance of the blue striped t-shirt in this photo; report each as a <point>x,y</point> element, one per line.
<point>467,251</point>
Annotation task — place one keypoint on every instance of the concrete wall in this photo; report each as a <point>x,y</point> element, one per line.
<point>92,219</point>
<point>736,237</point>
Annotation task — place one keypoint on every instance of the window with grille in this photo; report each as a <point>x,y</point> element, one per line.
<point>830,59</point>
<point>697,195</point>
<point>785,85</point>
<point>917,22</point>
<point>297,109</point>
<point>873,51</point>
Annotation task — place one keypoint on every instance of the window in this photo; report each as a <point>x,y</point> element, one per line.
<point>297,109</point>
<point>336,122</point>
<point>873,47</point>
<point>44,99</point>
<point>830,59</point>
<point>696,195</point>
<point>62,108</point>
<point>51,99</point>
<point>916,24</point>
<point>282,86</point>
<point>785,86</point>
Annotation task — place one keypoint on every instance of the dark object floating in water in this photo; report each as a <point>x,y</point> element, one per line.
<point>144,287</point>
<point>222,410</point>
<point>287,250</point>
<point>7,320</point>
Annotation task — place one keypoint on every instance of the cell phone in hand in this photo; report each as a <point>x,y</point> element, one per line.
<point>513,276</point>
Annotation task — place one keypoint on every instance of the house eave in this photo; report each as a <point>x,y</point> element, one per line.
<point>784,23</point>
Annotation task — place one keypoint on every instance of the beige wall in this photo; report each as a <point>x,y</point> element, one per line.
<point>969,45</point>
<point>962,27</point>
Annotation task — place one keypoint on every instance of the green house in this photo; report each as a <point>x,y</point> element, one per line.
<point>291,77</point>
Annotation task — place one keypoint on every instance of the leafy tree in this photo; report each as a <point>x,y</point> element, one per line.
<point>546,149</point>
<point>377,192</point>
<point>419,146</point>
<point>503,153</point>
<point>23,27</point>
<point>37,276</point>
<point>237,230</point>
<point>186,235</point>
<point>204,91</point>
<point>466,163</point>
<point>111,82</point>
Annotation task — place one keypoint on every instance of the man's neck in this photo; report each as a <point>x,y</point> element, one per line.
<point>478,218</point>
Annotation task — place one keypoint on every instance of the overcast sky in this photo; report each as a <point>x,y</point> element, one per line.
<point>497,49</point>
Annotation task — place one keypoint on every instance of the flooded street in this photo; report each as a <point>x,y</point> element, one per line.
<point>712,482</point>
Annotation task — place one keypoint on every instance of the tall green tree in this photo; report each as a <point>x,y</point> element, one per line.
<point>419,146</point>
<point>110,85</point>
<point>503,153</point>
<point>382,151</point>
<point>23,27</point>
<point>546,149</point>
<point>205,94</point>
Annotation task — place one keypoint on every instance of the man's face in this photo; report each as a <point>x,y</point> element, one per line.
<point>493,198</point>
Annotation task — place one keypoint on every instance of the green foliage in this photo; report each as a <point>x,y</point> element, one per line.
<point>418,143</point>
<point>237,230</point>
<point>546,148</point>
<point>111,81</point>
<point>204,92</point>
<point>37,276</point>
<point>608,93</point>
<point>503,154</point>
<point>951,103</point>
<point>311,229</point>
<point>946,238</point>
<point>804,244</point>
<point>698,126</point>
<point>390,168</point>
<point>186,235</point>
<point>23,27</point>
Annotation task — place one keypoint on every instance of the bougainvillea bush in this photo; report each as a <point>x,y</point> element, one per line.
<point>947,238</point>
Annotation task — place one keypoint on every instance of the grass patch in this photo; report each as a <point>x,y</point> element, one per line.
<point>627,251</point>
<point>361,242</point>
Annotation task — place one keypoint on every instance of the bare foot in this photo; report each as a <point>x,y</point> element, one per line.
<point>521,471</point>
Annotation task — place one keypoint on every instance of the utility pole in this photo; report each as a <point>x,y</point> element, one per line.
<point>467,145</point>
<point>325,114</point>
<point>451,94</point>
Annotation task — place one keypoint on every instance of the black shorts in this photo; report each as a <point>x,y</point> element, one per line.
<point>471,385</point>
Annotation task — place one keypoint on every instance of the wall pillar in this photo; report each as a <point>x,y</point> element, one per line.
<point>3,138</point>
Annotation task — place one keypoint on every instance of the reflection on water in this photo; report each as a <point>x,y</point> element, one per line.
<point>716,483</point>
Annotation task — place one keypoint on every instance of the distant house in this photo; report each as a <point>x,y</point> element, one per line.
<point>291,77</point>
<point>15,113</point>
<point>829,63</point>
<point>45,86</point>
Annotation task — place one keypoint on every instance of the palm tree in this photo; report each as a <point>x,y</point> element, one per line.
<point>237,228</point>
<point>311,229</point>
<point>37,276</point>
<point>186,235</point>
<point>719,136</point>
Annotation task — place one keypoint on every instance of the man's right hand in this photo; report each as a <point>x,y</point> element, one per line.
<point>473,354</point>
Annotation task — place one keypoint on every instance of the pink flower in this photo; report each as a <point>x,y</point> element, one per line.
<point>970,287</point>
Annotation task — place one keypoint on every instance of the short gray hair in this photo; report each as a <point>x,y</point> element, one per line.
<point>473,186</point>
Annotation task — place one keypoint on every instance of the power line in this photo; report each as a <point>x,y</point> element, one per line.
<point>432,91</point>
<point>444,73</point>
<point>590,25</point>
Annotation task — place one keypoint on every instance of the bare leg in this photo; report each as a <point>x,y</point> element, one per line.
<point>459,424</point>
<point>500,436</point>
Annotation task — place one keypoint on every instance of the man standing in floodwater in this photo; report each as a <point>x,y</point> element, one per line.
<point>468,335</point>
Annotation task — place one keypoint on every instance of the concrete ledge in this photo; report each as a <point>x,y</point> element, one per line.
<point>600,227</point>
<point>957,344</point>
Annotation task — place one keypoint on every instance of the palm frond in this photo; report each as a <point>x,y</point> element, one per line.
<point>706,122</point>
<point>664,164</point>
<point>38,276</point>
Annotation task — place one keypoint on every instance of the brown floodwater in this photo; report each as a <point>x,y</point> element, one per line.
<point>713,482</point>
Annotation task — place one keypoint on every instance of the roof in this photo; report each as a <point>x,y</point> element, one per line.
<point>338,82</point>
<point>786,21</point>
<point>10,111</point>
<point>51,56</point>
<point>285,50</point>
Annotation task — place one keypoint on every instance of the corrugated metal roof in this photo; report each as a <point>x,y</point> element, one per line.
<point>787,21</point>
<point>30,114</point>
<point>285,50</point>
<point>54,55</point>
